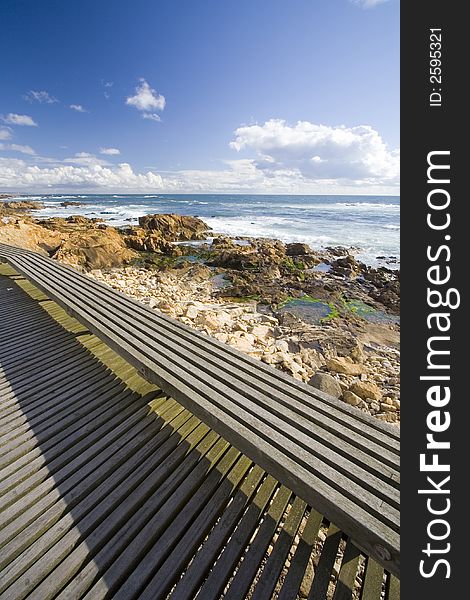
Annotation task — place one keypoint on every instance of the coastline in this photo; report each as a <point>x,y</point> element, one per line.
<point>321,316</point>
<point>319,221</point>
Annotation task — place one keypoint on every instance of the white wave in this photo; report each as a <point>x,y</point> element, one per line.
<point>340,205</point>
<point>64,197</point>
<point>23,198</point>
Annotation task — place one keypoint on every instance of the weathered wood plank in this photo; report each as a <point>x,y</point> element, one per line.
<point>58,541</point>
<point>325,565</point>
<point>347,574</point>
<point>303,552</point>
<point>373,580</point>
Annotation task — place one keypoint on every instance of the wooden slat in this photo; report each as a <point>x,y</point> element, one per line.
<point>116,529</point>
<point>392,591</point>
<point>194,535</point>
<point>295,575</point>
<point>166,531</point>
<point>325,565</point>
<point>221,572</point>
<point>373,580</point>
<point>347,575</point>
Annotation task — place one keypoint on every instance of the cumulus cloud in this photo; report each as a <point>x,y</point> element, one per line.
<point>110,151</point>
<point>319,152</point>
<point>147,100</point>
<point>14,119</point>
<point>20,148</point>
<point>41,97</point>
<point>78,107</point>
<point>17,174</point>
<point>368,3</point>
<point>5,133</point>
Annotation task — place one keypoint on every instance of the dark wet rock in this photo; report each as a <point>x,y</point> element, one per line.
<point>68,203</point>
<point>297,249</point>
<point>346,266</point>
<point>222,243</point>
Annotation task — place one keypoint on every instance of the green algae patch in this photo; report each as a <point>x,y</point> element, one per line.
<point>369,313</point>
<point>312,310</point>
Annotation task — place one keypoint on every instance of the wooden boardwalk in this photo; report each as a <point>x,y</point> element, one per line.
<point>111,489</point>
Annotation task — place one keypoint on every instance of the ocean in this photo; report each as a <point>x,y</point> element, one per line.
<point>370,223</point>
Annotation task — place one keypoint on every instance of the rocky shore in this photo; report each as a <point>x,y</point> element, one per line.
<point>321,316</point>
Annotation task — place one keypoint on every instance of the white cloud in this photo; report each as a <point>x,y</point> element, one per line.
<point>368,3</point>
<point>352,155</point>
<point>151,116</point>
<point>41,97</point>
<point>5,133</point>
<point>110,151</point>
<point>17,174</point>
<point>237,176</point>
<point>20,148</point>
<point>147,99</point>
<point>14,119</point>
<point>78,107</point>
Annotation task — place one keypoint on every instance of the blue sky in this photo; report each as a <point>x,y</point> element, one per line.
<point>246,95</point>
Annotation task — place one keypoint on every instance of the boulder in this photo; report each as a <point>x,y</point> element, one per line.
<point>147,242</point>
<point>326,383</point>
<point>351,398</point>
<point>262,331</point>
<point>297,249</point>
<point>175,228</point>
<point>344,365</point>
<point>347,266</point>
<point>366,390</point>
<point>30,236</point>
<point>208,320</point>
<point>95,249</point>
